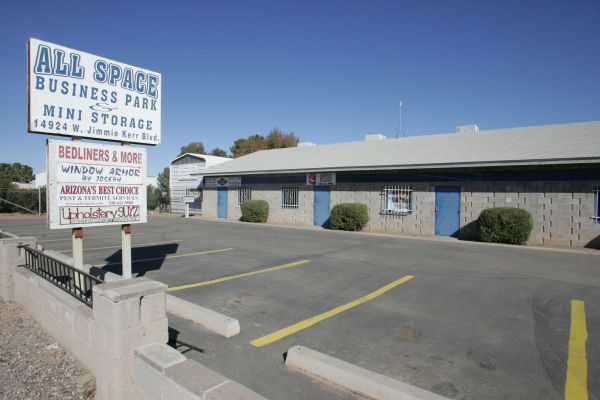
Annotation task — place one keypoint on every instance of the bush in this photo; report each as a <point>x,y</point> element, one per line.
<point>27,198</point>
<point>254,211</point>
<point>504,225</point>
<point>349,216</point>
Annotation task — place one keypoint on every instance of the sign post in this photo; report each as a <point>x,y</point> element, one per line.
<point>126,251</point>
<point>77,239</point>
<point>77,94</point>
<point>126,268</point>
<point>188,200</point>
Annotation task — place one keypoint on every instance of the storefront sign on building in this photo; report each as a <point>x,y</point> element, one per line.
<point>230,181</point>
<point>74,93</point>
<point>95,185</point>
<point>320,179</point>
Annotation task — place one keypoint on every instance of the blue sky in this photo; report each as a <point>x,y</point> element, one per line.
<point>329,71</point>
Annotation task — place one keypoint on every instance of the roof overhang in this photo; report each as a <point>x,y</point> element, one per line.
<point>478,164</point>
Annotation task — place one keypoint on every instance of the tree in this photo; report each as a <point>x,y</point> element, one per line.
<point>16,172</point>
<point>153,197</point>
<point>279,140</point>
<point>276,139</point>
<point>218,152</point>
<point>194,147</point>
<point>163,180</point>
<point>252,143</point>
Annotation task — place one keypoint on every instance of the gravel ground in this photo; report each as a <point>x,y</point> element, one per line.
<point>33,365</point>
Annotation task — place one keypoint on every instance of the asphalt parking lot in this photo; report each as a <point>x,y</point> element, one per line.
<point>468,321</point>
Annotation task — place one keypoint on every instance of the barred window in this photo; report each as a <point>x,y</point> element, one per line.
<point>289,197</point>
<point>243,195</point>
<point>396,200</point>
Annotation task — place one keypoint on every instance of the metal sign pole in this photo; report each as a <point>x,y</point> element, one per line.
<point>126,251</point>
<point>77,236</point>
<point>125,245</point>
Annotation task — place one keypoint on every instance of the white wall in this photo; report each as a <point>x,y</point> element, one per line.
<point>186,176</point>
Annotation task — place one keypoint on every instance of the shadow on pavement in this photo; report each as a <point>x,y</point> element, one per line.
<point>144,259</point>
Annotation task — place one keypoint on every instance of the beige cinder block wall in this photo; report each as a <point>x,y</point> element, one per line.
<point>562,211</point>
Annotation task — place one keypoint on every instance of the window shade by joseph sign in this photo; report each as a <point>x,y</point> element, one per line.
<point>79,94</point>
<point>95,185</point>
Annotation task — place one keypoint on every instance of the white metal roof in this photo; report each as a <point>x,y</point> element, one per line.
<point>209,160</point>
<point>534,145</point>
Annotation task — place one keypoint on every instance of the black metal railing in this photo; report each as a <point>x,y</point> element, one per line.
<point>73,281</point>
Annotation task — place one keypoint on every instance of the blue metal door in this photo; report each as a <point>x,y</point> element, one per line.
<point>321,206</point>
<point>447,210</point>
<point>222,202</point>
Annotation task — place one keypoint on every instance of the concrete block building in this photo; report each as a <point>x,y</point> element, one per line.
<point>428,185</point>
<point>186,179</point>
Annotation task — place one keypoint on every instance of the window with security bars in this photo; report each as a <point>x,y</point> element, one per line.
<point>289,197</point>
<point>243,195</point>
<point>396,200</point>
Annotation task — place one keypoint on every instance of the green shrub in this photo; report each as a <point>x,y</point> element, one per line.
<point>349,216</point>
<point>27,198</point>
<point>504,225</point>
<point>254,211</point>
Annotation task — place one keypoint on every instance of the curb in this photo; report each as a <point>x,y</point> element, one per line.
<point>353,377</point>
<point>211,320</point>
<point>435,239</point>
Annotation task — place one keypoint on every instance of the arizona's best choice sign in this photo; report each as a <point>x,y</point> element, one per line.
<point>79,94</point>
<point>95,185</point>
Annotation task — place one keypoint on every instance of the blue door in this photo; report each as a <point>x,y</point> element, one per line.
<point>447,210</point>
<point>222,202</point>
<point>321,206</point>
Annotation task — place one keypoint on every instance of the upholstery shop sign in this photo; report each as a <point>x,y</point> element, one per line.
<point>95,185</point>
<point>79,94</point>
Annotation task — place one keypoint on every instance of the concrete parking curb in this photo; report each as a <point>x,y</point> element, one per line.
<point>211,320</point>
<point>353,377</point>
<point>162,373</point>
<point>437,239</point>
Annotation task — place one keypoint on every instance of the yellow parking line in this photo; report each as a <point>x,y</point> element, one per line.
<point>119,246</point>
<point>86,237</point>
<point>280,334</point>
<point>576,386</point>
<point>231,277</point>
<point>170,256</point>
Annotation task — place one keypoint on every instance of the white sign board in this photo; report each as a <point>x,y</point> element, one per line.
<point>230,181</point>
<point>95,185</point>
<point>320,179</point>
<point>79,94</point>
